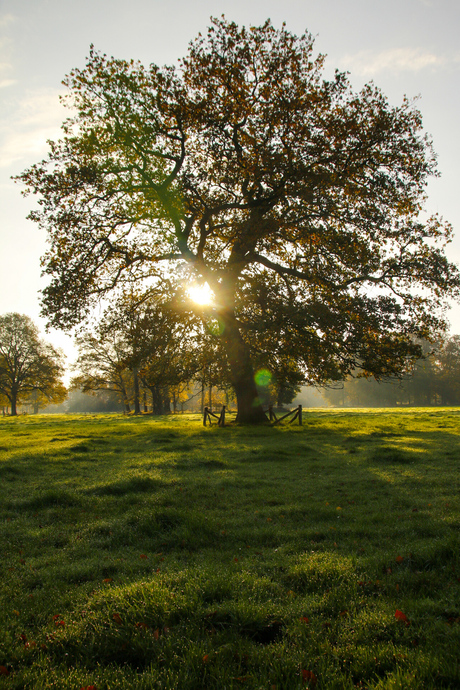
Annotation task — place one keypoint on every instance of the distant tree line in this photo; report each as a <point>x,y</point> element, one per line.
<point>434,380</point>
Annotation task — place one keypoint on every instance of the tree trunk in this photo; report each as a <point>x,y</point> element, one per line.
<point>202,394</point>
<point>13,398</point>
<point>242,372</point>
<point>137,407</point>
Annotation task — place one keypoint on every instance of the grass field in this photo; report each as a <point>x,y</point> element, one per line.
<point>154,553</point>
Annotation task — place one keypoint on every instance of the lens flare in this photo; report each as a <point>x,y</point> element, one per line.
<point>262,377</point>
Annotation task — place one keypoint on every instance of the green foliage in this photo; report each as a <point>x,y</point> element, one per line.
<point>152,552</point>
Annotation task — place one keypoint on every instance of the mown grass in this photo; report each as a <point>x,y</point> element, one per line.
<point>154,553</point>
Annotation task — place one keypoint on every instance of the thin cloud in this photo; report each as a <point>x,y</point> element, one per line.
<point>367,63</point>
<point>38,117</point>
<point>6,20</point>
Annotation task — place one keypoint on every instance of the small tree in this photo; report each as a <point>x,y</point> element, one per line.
<point>28,365</point>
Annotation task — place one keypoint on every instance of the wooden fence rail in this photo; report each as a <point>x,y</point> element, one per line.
<point>208,414</point>
<point>297,412</point>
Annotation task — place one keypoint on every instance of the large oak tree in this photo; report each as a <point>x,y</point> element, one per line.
<point>299,201</point>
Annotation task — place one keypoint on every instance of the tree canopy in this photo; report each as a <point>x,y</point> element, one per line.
<point>28,365</point>
<point>298,200</point>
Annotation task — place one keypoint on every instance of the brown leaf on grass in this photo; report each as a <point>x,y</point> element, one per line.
<point>309,677</point>
<point>205,659</point>
<point>142,625</point>
<point>107,579</point>
<point>399,559</point>
<point>400,616</point>
<point>117,618</point>
<point>4,671</point>
<point>304,619</point>
<point>143,555</point>
<point>156,634</point>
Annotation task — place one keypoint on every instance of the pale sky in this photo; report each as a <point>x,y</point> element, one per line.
<point>407,47</point>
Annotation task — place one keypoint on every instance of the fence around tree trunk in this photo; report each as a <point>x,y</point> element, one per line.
<point>296,413</point>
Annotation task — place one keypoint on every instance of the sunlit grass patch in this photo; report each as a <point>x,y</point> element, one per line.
<point>231,557</point>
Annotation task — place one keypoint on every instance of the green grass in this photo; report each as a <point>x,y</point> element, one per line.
<point>155,553</point>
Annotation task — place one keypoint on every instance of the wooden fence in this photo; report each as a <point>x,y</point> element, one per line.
<point>208,414</point>
<point>296,412</point>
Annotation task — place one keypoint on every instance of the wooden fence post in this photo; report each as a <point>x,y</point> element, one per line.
<point>300,415</point>
<point>205,416</point>
<point>221,421</point>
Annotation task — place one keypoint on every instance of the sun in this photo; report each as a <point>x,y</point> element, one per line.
<point>201,294</point>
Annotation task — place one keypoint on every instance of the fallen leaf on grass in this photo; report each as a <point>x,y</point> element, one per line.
<point>205,659</point>
<point>304,619</point>
<point>4,671</point>
<point>399,559</point>
<point>142,625</point>
<point>143,555</point>
<point>156,634</point>
<point>309,677</point>
<point>117,618</point>
<point>107,579</point>
<point>400,616</point>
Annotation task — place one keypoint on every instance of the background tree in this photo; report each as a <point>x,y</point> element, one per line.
<point>447,363</point>
<point>38,400</point>
<point>138,342</point>
<point>101,366</point>
<point>298,200</point>
<point>27,363</point>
